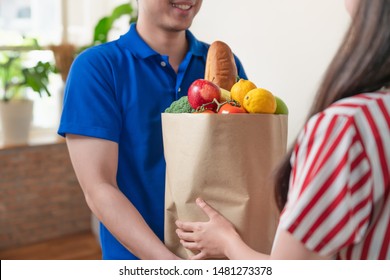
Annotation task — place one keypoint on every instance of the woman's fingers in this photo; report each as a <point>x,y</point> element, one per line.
<point>187,236</point>
<point>209,211</point>
<point>193,246</point>
<point>187,226</point>
<point>204,238</point>
<point>199,256</point>
<point>195,226</point>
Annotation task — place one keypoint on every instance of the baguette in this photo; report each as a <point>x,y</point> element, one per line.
<point>221,67</point>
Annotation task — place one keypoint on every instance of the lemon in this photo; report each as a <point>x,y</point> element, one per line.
<point>240,89</point>
<point>281,107</point>
<point>259,100</point>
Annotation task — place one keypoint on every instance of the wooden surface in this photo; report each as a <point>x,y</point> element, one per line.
<point>36,140</point>
<point>81,246</point>
<point>40,196</point>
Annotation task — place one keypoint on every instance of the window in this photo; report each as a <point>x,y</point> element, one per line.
<point>51,22</point>
<point>40,19</point>
<point>21,19</point>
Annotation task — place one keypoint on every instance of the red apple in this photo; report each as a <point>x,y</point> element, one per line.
<point>202,92</point>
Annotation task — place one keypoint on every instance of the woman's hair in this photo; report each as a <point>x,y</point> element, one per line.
<point>362,64</point>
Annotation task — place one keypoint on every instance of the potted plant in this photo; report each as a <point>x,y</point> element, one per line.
<point>65,53</point>
<point>106,24</point>
<point>15,109</point>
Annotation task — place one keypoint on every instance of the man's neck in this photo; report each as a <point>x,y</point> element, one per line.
<point>172,44</point>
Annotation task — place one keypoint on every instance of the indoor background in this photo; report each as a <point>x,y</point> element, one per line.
<point>284,45</point>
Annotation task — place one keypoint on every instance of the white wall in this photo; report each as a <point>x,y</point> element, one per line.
<point>285,45</point>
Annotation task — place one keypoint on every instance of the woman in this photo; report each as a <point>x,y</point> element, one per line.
<point>333,188</point>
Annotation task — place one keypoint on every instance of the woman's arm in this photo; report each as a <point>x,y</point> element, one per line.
<point>95,162</point>
<point>218,238</point>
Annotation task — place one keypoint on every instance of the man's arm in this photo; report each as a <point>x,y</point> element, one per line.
<point>95,162</point>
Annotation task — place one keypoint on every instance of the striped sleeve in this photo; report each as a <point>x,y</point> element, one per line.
<point>331,186</point>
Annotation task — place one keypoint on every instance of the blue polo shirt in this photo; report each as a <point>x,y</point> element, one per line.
<point>117,91</point>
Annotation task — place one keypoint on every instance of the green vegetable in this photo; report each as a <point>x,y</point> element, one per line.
<point>180,106</point>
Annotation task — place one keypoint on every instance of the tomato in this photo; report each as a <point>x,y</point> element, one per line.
<point>231,109</point>
<point>206,111</point>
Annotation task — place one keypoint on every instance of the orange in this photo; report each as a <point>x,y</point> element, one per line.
<point>260,101</point>
<point>240,89</point>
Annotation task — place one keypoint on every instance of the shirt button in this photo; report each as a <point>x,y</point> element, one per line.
<point>179,90</point>
<point>163,63</point>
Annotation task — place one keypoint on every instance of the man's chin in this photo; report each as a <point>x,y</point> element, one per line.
<point>178,27</point>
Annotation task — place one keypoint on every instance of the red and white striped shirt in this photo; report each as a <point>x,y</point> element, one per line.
<point>338,202</point>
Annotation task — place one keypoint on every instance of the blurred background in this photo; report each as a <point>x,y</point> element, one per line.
<point>285,46</point>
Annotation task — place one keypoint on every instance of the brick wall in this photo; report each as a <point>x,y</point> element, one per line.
<point>40,197</point>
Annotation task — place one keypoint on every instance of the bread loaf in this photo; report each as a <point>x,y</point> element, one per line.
<point>221,67</point>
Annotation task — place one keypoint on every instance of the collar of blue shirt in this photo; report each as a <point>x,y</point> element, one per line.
<point>132,41</point>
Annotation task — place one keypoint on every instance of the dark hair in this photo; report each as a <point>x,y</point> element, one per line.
<point>362,64</point>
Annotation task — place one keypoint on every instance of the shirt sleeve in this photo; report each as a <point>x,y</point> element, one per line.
<point>90,105</point>
<point>240,68</point>
<point>331,187</point>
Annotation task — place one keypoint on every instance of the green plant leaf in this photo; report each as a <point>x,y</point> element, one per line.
<point>124,9</point>
<point>37,77</point>
<point>101,30</point>
<point>14,76</point>
<point>105,24</point>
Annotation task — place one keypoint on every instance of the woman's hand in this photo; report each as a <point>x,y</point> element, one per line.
<point>218,238</point>
<point>207,239</point>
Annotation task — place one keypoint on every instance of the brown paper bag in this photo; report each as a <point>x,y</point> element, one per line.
<point>228,160</point>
